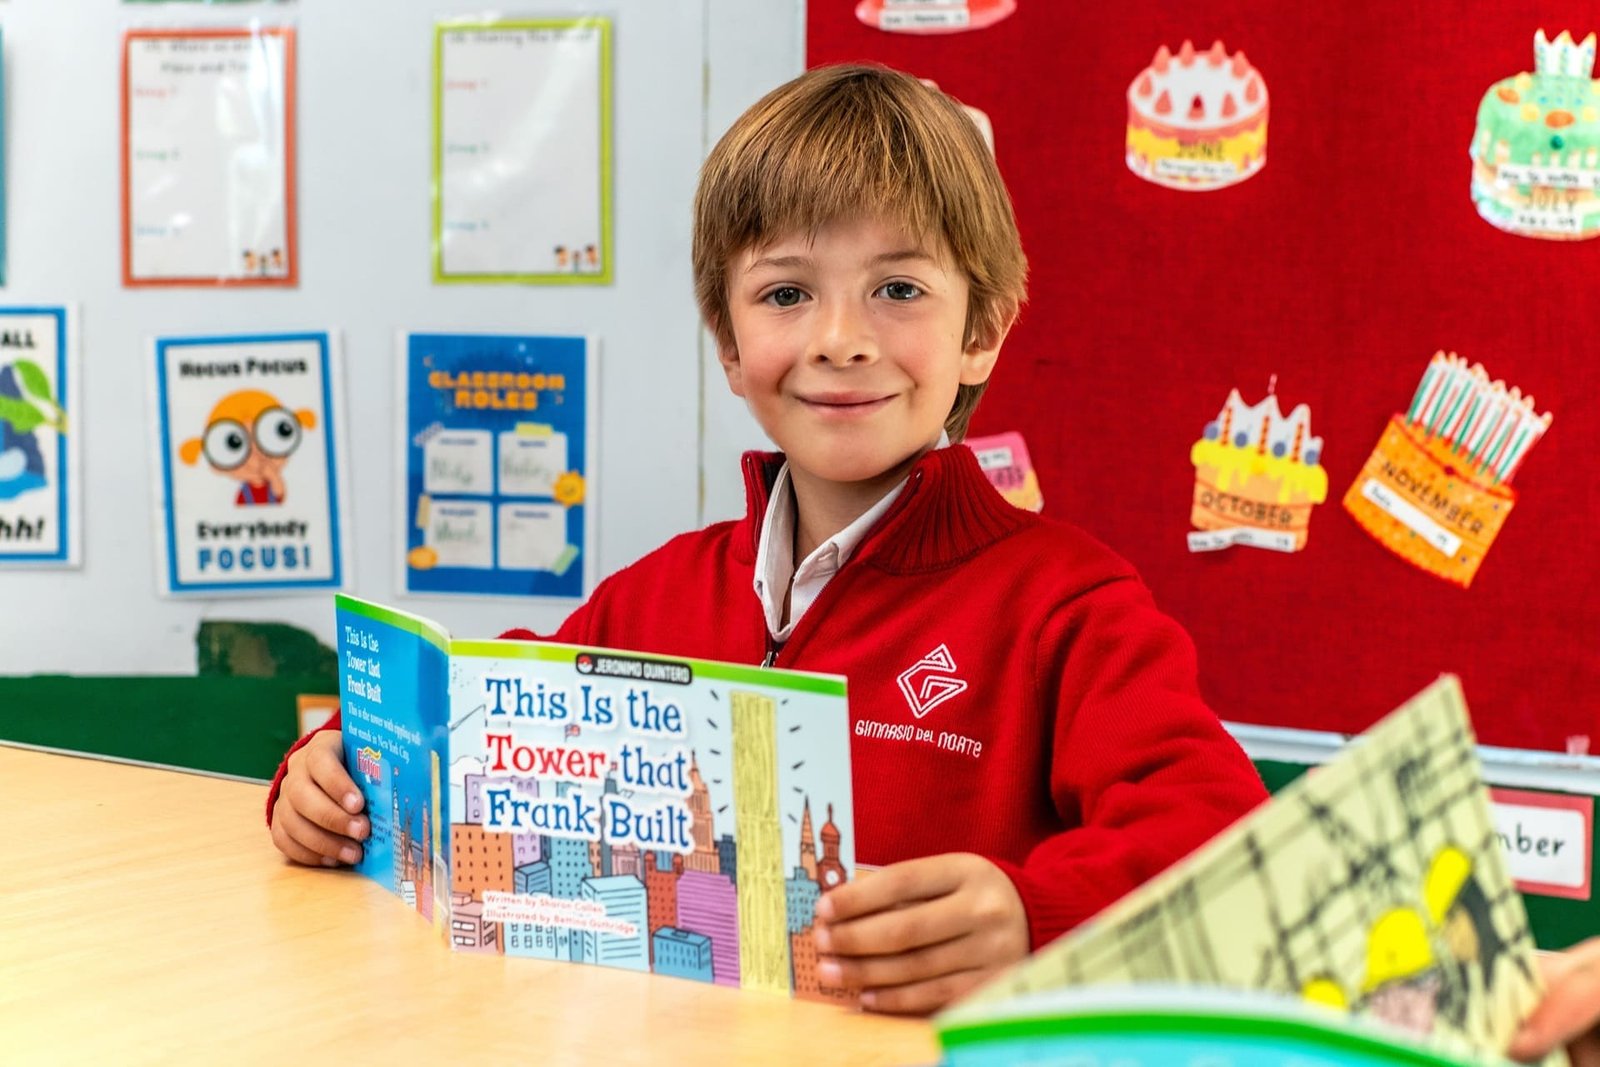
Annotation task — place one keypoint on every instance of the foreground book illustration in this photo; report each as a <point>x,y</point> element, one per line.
<point>1372,887</point>
<point>598,805</point>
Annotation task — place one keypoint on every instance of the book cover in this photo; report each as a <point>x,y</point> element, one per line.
<point>600,805</point>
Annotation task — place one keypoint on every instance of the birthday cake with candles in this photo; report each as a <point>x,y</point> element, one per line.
<point>1196,120</point>
<point>1536,149</point>
<point>1257,469</point>
<point>1436,489</point>
<point>933,16</point>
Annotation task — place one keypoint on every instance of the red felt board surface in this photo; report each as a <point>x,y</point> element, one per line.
<point>1341,267</point>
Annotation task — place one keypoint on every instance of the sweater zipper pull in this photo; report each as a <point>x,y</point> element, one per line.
<point>772,654</point>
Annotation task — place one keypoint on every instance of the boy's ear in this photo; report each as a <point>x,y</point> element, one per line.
<point>728,356</point>
<point>978,358</point>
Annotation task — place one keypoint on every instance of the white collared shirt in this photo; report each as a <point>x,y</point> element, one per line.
<point>775,554</point>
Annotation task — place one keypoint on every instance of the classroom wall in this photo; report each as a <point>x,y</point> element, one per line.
<point>668,432</point>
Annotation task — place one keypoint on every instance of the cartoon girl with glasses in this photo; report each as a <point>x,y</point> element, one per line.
<point>249,437</point>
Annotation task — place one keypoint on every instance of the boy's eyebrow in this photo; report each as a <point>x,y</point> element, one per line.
<point>903,255</point>
<point>781,262</point>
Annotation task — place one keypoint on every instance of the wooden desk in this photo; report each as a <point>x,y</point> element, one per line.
<point>146,918</point>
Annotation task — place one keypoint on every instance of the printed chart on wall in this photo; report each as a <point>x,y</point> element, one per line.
<point>208,187</point>
<point>522,152</point>
<point>39,437</point>
<point>249,459</point>
<point>499,464</point>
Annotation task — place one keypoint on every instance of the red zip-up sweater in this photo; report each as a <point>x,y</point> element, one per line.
<point>1014,691</point>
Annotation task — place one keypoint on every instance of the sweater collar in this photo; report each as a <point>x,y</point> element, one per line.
<point>946,511</point>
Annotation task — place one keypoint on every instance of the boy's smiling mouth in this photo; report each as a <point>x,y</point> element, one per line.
<point>845,403</point>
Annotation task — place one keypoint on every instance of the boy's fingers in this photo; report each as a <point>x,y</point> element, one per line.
<point>1586,1051</point>
<point>901,968</point>
<point>294,849</point>
<point>308,834</point>
<point>899,883</point>
<point>1571,1006</point>
<point>920,998</point>
<point>325,765</point>
<point>310,799</point>
<point>897,930</point>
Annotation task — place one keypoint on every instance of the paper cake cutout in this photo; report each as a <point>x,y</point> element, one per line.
<point>1374,886</point>
<point>1197,121</point>
<point>1536,150</point>
<point>1005,462</point>
<point>933,16</point>
<point>1435,490</point>
<point>1256,477</point>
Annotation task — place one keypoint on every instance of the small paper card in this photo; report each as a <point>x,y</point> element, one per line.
<point>459,534</point>
<point>1005,462</point>
<point>1548,841</point>
<point>532,536</point>
<point>531,462</point>
<point>459,461</point>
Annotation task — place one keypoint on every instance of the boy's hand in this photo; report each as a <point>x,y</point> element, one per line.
<point>317,819</point>
<point>916,935</point>
<point>1570,1012</point>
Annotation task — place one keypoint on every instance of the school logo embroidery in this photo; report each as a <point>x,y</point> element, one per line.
<point>931,681</point>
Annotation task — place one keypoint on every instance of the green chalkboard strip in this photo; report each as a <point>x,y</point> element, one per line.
<point>223,725</point>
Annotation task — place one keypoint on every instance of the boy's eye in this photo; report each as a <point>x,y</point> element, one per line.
<point>786,296</point>
<point>900,291</point>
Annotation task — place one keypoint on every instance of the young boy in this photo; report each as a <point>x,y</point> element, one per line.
<point>1028,740</point>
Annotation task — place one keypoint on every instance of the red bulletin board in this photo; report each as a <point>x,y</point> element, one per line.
<point>1341,267</point>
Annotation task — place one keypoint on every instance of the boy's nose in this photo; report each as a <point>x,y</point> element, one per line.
<point>843,334</point>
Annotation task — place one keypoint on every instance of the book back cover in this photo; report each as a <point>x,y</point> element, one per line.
<point>392,669</point>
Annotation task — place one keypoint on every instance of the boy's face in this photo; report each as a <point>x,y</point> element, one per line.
<point>849,347</point>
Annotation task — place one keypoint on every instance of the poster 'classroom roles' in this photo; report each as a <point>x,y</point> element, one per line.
<point>499,460</point>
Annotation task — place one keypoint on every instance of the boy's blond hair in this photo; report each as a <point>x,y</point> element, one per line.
<point>847,141</point>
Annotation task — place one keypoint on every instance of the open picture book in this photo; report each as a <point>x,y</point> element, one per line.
<point>598,805</point>
<point>1363,915</point>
